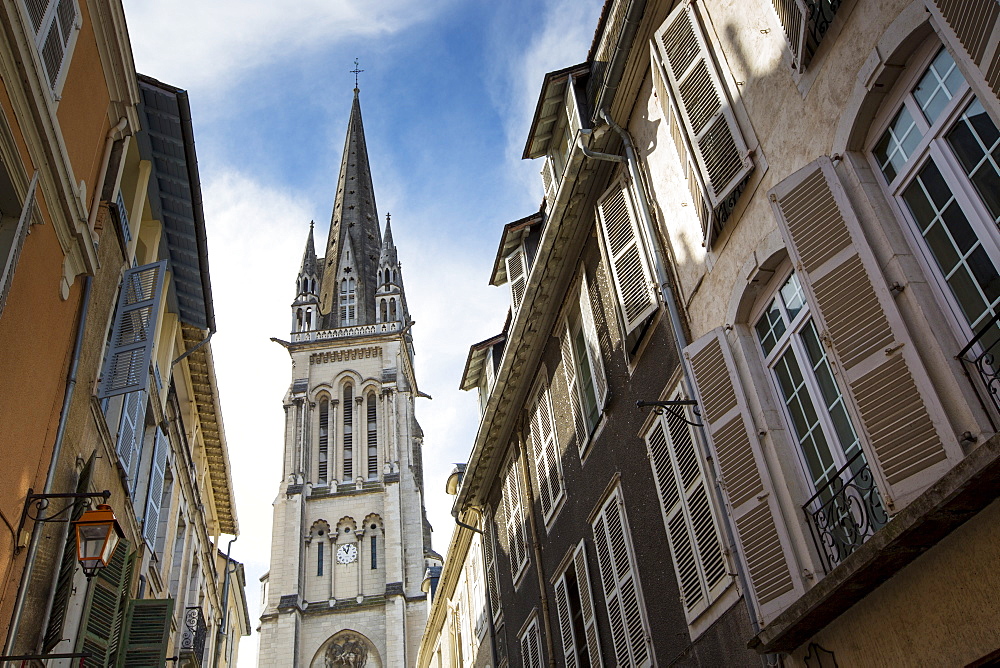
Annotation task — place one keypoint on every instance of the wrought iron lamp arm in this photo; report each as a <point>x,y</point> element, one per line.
<point>670,406</point>
<point>41,503</point>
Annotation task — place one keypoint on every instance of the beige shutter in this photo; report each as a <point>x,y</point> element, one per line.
<point>573,387</point>
<point>630,271</point>
<point>16,241</point>
<point>517,276</point>
<point>587,605</point>
<point>976,24</point>
<point>794,17</point>
<point>565,624</point>
<point>905,425</point>
<point>763,542</point>
<point>593,344</point>
<point>622,594</point>
<point>705,108</point>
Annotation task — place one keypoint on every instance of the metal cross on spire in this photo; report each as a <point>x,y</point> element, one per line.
<point>356,71</point>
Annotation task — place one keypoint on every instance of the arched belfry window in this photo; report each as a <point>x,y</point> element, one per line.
<point>348,310</point>
<point>324,440</point>
<point>348,432</point>
<point>372,437</point>
<point>392,310</point>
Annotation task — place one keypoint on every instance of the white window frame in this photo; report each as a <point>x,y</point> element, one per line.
<point>580,320</point>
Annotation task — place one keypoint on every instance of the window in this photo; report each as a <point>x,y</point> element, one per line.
<point>13,231</point>
<point>577,621</point>
<point>489,547</point>
<point>805,23</point>
<point>372,439</point>
<point>374,542</point>
<point>704,128</point>
<point>688,516</point>
<point>627,257</point>
<point>517,276</point>
<point>940,158</point>
<point>583,366</point>
<point>531,645</point>
<point>545,451</point>
<point>348,433</point>
<point>348,305</point>
<point>324,440</point>
<point>622,593</point>
<point>514,526</point>
<point>319,558</point>
<point>55,23</point>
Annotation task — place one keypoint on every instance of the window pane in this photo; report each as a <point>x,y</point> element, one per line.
<point>976,143</point>
<point>897,144</point>
<point>770,327</point>
<point>792,296</point>
<point>938,85</point>
<point>808,431</point>
<point>832,397</point>
<point>586,379</point>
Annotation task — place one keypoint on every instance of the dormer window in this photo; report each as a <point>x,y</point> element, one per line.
<point>517,275</point>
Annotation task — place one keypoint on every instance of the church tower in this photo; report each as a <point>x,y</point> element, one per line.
<point>350,542</point>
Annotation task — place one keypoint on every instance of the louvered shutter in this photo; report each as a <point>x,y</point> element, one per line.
<point>794,17</point>
<point>549,180</point>
<point>565,624</point>
<point>531,650</point>
<point>573,387</point>
<point>627,256</point>
<point>517,276</point>
<point>151,519</point>
<point>516,538</point>
<point>131,430</point>
<point>858,316</point>
<point>127,365</point>
<point>489,546</point>
<point>707,113</point>
<point>593,344</point>
<point>53,32</point>
<point>976,24</point>
<point>147,632</point>
<point>620,582</point>
<point>587,605</point>
<point>17,238</point>
<point>764,545</point>
<point>546,457</point>
<point>97,628</point>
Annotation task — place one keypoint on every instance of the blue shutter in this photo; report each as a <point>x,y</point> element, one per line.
<point>154,496</point>
<point>130,435</point>
<point>131,348</point>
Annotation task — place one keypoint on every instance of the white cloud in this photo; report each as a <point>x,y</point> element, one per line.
<point>214,42</point>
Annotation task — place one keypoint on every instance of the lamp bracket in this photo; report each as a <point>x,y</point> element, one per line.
<point>659,407</point>
<point>41,504</point>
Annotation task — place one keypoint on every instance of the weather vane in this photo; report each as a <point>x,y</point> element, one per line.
<point>356,71</point>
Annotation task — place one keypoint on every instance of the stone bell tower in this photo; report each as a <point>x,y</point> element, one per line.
<point>350,540</point>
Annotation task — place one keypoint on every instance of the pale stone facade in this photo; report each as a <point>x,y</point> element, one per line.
<point>350,543</point>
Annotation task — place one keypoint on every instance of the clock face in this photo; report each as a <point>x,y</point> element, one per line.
<point>347,554</point>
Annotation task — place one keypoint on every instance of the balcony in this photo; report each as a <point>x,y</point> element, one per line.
<point>193,638</point>
<point>845,512</point>
<point>979,358</point>
<point>806,23</point>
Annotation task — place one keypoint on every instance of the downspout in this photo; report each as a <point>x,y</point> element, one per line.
<point>109,143</point>
<point>36,531</point>
<point>221,633</point>
<point>680,342</point>
<point>537,548</point>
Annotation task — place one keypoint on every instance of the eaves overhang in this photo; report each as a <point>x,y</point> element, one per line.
<point>561,237</point>
<point>509,239</point>
<point>478,354</point>
<point>548,109</point>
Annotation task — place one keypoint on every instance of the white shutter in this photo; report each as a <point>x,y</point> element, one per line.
<point>627,256</point>
<point>565,624</point>
<point>794,17</point>
<point>707,113</point>
<point>593,344</point>
<point>545,451</point>
<point>531,648</point>
<point>131,430</point>
<point>549,180</point>
<point>53,34</point>
<point>911,444</point>
<point>127,365</point>
<point>587,605</point>
<point>764,544</point>
<point>514,515</point>
<point>573,387</point>
<point>622,594</point>
<point>489,545</point>
<point>154,496</point>
<point>17,237</point>
<point>517,276</point>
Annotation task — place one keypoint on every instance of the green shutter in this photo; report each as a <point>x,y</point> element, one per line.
<point>147,631</point>
<point>100,618</point>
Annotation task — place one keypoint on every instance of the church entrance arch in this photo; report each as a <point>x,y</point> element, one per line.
<point>347,649</point>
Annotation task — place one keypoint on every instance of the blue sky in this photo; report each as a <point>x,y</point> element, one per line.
<point>447,95</point>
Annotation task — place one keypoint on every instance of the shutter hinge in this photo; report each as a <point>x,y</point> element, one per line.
<point>763,495</point>
<point>891,349</point>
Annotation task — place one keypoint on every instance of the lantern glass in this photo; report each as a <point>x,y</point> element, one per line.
<point>97,535</point>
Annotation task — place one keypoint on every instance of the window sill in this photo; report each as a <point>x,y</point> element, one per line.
<point>961,493</point>
<point>586,449</point>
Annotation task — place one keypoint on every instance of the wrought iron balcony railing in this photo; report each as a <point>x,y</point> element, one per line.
<point>193,637</point>
<point>982,363</point>
<point>845,512</point>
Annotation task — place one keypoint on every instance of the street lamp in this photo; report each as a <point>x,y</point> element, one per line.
<point>97,536</point>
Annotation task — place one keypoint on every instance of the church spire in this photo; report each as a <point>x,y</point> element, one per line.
<point>309,256</point>
<point>354,216</point>
<point>305,314</point>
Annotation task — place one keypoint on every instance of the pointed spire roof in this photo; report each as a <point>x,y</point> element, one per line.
<point>309,256</point>
<point>387,241</point>
<point>353,211</point>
